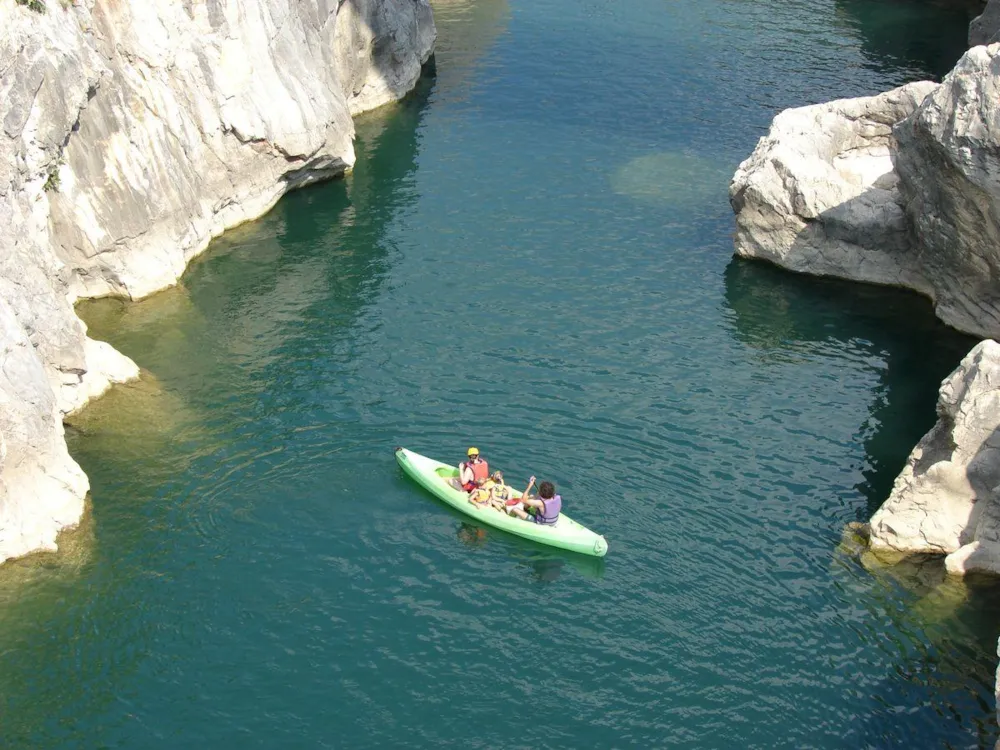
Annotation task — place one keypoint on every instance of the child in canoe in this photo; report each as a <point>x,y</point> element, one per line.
<point>493,492</point>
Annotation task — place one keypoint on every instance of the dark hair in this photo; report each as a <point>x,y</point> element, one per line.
<point>547,490</point>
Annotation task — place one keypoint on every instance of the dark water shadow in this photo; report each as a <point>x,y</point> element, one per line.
<point>776,312</point>
<point>917,38</point>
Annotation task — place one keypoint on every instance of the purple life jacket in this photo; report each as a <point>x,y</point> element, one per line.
<point>549,512</point>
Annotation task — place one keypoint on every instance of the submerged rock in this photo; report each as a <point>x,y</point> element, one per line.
<point>669,178</point>
<point>131,133</point>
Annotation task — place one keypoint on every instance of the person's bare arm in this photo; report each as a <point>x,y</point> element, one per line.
<point>532,502</point>
<point>465,473</point>
<point>524,495</point>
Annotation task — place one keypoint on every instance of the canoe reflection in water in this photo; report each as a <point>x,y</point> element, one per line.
<point>471,535</point>
<point>543,564</point>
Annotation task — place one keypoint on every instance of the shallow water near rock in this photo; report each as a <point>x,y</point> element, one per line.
<point>255,571</point>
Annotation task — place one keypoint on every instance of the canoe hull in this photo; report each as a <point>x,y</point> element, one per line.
<point>565,533</point>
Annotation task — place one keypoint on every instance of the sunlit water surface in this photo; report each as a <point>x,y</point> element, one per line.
<point>533,255</point>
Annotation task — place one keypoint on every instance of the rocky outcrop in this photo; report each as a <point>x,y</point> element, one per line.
<point>131,133</point>
<point>901,188</point>
<point>904,189</point>
<point>985,28</point>
<point>947,498</point>
<point>949,167</point>
<point>819,194</point>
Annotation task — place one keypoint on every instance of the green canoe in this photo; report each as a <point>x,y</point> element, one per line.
<point>565,533</point>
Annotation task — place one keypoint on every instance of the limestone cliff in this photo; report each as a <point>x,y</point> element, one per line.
<point>832,191</point>
<point>133,132</point>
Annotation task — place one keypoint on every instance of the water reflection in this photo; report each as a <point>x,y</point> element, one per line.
<point>918,38</point>
<point>782,315</point>
<point>467,29</point>
<point>471,535</point>
<point>545,564</point>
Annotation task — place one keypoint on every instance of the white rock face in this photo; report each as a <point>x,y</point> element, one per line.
<point>203,115</point>
<point>131,133</point>
<point>901,188</point>
<point>949,169</point>
<point>819,195</point>
<point>946,498</point>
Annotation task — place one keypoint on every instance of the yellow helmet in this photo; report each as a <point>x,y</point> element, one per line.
<point>472,452</point>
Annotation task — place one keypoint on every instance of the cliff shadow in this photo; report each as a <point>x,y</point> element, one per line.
<point>916,38</point>
<point>775,311</point>
<point>394,31</point>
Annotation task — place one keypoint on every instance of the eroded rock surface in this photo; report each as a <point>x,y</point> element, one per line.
<point>819,194</point>
<point>131,133</point>
<point>948,162</point>
<point>945,500</point>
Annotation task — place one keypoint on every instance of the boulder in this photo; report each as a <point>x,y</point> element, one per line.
<point>819,194</point>
<point>947,498</point>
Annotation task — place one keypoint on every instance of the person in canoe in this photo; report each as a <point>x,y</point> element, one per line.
<point>474,472</point>
<point>543,509</point>
<point>493,492</point>
<point>500,493</point>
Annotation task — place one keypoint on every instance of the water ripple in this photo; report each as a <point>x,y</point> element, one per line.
<point>532,255</point>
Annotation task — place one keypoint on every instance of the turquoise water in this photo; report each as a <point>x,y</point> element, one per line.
<point>533,256</point>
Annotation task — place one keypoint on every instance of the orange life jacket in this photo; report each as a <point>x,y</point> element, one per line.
<point>480,471</point>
